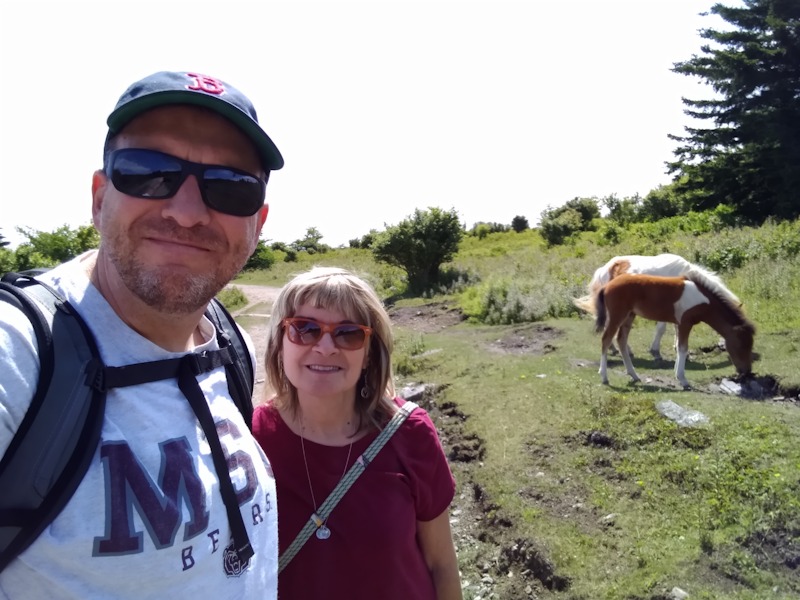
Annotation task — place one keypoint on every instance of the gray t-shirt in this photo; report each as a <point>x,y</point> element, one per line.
<point>148,520</point>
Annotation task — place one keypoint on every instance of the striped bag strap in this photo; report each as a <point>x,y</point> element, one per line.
<point>362,462</point>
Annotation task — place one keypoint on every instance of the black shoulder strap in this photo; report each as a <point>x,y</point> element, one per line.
<point>47,457</point>
<point>241,375</point>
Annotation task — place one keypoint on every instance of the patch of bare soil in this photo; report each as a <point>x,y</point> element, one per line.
<point>532,338</point>
<point>428,318</point>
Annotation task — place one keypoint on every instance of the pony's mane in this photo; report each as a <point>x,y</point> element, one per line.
<point>712,282</point>
<point>713,286</point>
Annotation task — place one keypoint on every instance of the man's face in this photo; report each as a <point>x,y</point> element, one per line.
<point>176,254</point>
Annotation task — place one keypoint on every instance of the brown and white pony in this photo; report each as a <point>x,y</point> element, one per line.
<point>665,265</point>
<point>685,301</point>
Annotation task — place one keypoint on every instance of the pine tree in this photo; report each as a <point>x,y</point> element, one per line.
<point>749,158</point>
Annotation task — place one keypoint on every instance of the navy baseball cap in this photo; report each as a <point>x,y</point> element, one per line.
<point>178,87</point>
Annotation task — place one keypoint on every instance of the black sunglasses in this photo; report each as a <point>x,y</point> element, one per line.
<point>307,332</point>
<point>155,175</point>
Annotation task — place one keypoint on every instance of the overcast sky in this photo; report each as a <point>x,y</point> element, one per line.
<point>380,107</point>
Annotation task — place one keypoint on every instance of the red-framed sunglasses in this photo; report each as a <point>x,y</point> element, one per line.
<point>307,332</point>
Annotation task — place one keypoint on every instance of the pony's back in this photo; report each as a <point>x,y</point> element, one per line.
<point>662,265</point>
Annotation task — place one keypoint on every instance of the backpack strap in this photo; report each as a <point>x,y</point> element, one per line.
<point>240,372</point>
<point>47,458</point>
<point>59,434</point>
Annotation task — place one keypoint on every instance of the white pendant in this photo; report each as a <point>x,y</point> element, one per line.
<point>323,533</point>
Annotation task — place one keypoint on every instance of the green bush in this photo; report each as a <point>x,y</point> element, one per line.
<point>557,228</point>
<point>261,259</point>
<point>232,297</point>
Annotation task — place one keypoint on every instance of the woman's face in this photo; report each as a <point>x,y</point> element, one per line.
<point>322,370</point>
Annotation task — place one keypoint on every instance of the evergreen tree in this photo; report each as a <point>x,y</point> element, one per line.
<point>749,158</point>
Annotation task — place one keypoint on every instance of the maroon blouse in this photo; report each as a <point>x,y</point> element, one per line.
<point>372,551</point>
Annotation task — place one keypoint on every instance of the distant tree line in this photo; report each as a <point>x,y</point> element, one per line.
<point>46,249</point>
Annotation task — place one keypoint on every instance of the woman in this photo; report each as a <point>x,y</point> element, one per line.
<point>329,365</point>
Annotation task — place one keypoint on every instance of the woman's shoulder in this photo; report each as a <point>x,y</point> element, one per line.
<point>266,417</point>
<point>418,425</point>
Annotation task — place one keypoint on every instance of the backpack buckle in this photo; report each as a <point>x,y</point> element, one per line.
<point>95,376</point>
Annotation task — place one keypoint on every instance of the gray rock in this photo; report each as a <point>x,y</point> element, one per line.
<point>413,392</point>
<point>682,416</point>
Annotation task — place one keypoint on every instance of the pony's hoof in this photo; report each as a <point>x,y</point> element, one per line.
<point>604,382</point>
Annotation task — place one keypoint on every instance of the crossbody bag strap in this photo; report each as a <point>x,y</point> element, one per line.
<point>362,462</point>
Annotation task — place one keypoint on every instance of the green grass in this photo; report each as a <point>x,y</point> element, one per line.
<point>688,502</point>
<point>714,511</point>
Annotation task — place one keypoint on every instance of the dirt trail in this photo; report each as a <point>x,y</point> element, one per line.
<point>256,326</point>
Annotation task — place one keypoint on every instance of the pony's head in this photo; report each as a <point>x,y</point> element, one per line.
<point>740,347</point>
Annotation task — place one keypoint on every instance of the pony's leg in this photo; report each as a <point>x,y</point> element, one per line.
<point>603,371</point>
<point>622,342</point>
<point>605,343</point>
<point>683,352</point>
<point>655,347</point>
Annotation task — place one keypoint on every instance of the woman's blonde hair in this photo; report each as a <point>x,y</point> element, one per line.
<point>339,289</point>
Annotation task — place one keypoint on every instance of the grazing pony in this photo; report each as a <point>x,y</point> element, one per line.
<point>666,265</point>
<point>685,301</point>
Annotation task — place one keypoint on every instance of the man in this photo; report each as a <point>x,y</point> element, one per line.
<point>179,205</point>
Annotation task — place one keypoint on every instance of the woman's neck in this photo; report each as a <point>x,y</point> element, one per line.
<point>326,421</point>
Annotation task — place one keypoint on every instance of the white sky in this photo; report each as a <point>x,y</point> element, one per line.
<point>494,108</point>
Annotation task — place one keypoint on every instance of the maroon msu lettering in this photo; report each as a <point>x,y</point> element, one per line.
<point>204,83</point>
<point>129,489</point>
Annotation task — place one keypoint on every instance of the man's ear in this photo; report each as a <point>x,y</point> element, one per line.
<point>99,185</point>
<point>262,217</point>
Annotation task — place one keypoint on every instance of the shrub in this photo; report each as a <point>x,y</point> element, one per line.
<point>261,259</point>
<point>232,297</point>
<point>420,245</point>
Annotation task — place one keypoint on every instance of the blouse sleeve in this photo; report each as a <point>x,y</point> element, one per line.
<point>432,483</point>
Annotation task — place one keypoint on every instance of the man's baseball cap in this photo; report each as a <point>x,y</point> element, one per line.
<point>178,87</point>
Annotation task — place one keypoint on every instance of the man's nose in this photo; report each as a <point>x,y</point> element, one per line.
<point>186,207</point>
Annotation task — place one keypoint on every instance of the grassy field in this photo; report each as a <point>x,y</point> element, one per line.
<point>572,489</point>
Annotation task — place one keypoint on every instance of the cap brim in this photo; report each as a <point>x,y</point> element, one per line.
<point>271,157</point>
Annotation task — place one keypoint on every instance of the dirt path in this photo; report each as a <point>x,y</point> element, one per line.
<point>255,323</point>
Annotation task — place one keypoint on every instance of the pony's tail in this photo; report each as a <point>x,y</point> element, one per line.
<point>600,311</point>
<point>585,303</point>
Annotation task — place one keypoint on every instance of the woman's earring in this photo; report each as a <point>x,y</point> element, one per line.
<point>365,392</point>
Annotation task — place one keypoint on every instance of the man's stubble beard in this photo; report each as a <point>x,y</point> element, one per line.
<point>166,288</point>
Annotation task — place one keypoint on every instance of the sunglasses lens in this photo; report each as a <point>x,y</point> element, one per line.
<point>307,333</point>
<point>349,337</point>
<point>145,174</point>
<point>152,174</point>
<point>233,192</point>
<point>304,332</point>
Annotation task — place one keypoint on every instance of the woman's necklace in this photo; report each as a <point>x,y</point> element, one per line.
<point>322,533</point>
